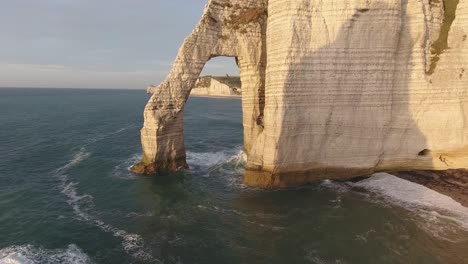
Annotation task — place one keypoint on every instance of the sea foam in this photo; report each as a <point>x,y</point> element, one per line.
<point>226,166</point>
<point>438,211</point>
<point>133,244</point>
<point>29,254</point>
<point>123,170</point>
<point>210,159</point>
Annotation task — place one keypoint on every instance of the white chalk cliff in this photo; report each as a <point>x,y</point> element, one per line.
<point>212,86</point>
<point>217,86</point>
<point>331,89</point>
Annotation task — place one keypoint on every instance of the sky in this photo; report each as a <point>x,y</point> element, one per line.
<point>126,44</point>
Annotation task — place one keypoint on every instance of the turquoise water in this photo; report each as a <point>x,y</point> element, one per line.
<point>66,195</point>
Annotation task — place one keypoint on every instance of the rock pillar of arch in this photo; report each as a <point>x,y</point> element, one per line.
<point>233,28</point>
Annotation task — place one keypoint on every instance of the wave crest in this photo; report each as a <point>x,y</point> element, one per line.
<point>210,159</point>
<point>225,166</point>
<point>441,215</point>
<point>29,254</point>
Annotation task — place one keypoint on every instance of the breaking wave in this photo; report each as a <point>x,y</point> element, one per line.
<point>227,166</point>
<point>339,187</point>
<point>442,216</point>
<point>133,244</point>
<point>210,159</point>
<point>197,160</point>
<point>122,171</point>
<point>29,254</point>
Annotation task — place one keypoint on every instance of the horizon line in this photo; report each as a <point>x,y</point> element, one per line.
<point>72,88</point>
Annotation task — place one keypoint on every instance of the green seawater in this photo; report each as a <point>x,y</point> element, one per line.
<point>66,195</point>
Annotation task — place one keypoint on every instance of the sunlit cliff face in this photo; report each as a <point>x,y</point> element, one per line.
<point>331,90</point>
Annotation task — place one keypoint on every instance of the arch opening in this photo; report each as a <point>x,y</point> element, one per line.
<point>219,78</point>
<point>213,116</point>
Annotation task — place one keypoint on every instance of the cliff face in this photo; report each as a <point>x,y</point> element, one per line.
<point>217,86</point>
<point>212,86</point>
<point>355,87</point>
<point>331,89</point>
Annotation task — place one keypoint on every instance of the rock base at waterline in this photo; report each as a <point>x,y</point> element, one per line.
<point>153,168</point>
<point>271,180</point>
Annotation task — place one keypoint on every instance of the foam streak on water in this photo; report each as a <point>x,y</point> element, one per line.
<point>133,244</point>
<point>436,209</point>
<point>29,254</point>
<point>106,135</point>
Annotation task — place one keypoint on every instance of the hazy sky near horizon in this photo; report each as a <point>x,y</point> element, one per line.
<point>95,43</point>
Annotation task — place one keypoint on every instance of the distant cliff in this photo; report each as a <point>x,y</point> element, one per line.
<point>217,86</point>
<point>213,86</point>
<point>331,89</point>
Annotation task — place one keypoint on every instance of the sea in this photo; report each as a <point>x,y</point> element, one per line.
<point>67,195</point>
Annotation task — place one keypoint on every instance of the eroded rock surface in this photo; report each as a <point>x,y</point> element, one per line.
<point>233,28</point>
<point>331,89</point>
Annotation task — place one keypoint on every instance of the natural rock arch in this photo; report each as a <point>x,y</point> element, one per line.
<point>285,111</point>
<point>227,28</point>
